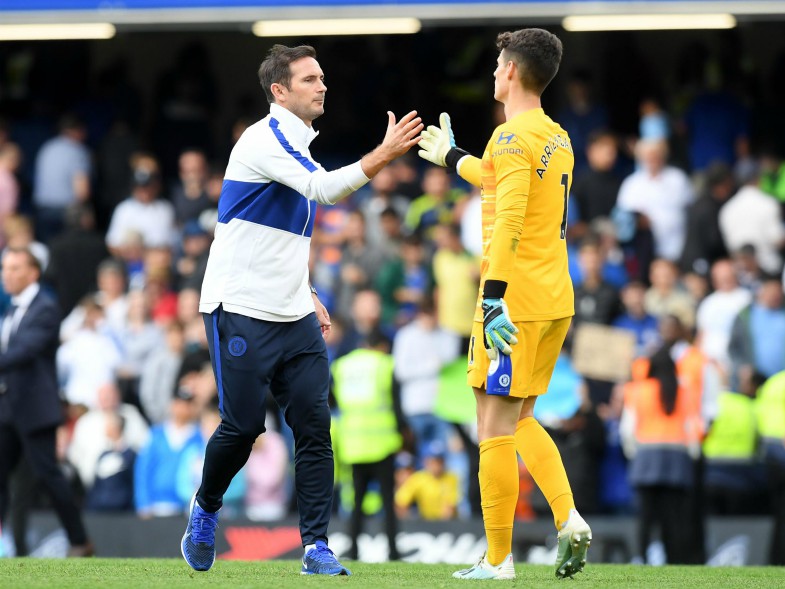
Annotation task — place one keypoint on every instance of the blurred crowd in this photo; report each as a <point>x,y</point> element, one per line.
<point>684,258</point>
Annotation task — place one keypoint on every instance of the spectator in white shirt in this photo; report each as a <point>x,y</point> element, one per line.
<point>140,338</point>
<point>112,286</point>
<point>752,217</point>
<point>88,359</point>
<point>111,296</point>
<point>717,311</point>
<point>420,351</point>
<point>90,439</point>
<point>143,211</point>
<point>471,223</point>
<point>661,193</point>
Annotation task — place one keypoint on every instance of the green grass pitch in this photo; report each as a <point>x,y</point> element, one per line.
<point>170,574</point>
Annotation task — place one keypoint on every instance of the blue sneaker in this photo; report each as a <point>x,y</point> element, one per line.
<point>321,561</point>
<point>198,545</point>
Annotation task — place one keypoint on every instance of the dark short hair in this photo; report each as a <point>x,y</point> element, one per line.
<point>634,284</point>
<point>717,173</point>
<point>536,52</point>
<point>768,277</point>
<point>453,229</point>
<point>70,122</point>
<point>413,239</point>
<point>600,135</point>
<point>112,265</point>
<point>32,260</point>
<point>78,213</point>
<point>426,306</point>
<point>376,338</point>
<point>390,212</point>
<point>275,67</point>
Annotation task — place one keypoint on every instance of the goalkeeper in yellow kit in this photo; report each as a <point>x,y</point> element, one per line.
<point>526,298</point>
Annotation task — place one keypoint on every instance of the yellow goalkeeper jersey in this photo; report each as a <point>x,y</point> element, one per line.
<point>525,175</point>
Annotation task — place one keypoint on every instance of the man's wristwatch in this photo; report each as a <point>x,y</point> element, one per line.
<point>313,290</point>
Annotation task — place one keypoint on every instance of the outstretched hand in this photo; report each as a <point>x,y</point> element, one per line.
<point>436,142</point>
<point>401,136</point>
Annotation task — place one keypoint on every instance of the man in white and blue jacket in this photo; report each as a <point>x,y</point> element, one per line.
<point>265,325</point>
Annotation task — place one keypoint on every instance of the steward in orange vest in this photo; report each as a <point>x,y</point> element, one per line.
<point>658,412</point>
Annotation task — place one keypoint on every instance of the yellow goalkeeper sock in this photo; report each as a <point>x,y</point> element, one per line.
<point>542,459</point>
<point>499,491</point>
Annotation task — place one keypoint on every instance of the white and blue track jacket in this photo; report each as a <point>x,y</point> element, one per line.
<point>258,264</point>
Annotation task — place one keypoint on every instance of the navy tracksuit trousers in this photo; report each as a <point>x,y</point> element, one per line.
<point>250,358</point>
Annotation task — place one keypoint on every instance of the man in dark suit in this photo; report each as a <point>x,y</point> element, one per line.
<point>30,409</point>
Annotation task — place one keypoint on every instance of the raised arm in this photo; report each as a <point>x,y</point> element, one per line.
<point>287,165</point>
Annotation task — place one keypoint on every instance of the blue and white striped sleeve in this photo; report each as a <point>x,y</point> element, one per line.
<point>282,162</point>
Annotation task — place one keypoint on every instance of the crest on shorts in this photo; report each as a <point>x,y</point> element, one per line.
<point>237,346</point>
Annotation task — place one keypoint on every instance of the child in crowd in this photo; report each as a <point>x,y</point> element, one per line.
<point>434,490</point>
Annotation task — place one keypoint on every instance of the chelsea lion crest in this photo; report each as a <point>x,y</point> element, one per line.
<point>237,346</point>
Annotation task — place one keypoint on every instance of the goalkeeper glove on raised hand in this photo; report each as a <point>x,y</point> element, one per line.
<point>498,327</point>
<point>437,144</point>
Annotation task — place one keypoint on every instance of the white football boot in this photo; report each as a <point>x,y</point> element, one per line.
<point>485,570</point>
<point>574,540</point>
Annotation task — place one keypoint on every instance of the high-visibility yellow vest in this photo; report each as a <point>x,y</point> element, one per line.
<point>770,407</point>
<point>362,384</point>
<point>733,433</point>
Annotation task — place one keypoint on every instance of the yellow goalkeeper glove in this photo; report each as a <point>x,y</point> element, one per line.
<point>437,144</point>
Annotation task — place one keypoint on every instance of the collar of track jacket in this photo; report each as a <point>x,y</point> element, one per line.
<point>293,124</point>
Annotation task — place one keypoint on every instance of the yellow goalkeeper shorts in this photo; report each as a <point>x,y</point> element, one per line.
<point>533,357</point>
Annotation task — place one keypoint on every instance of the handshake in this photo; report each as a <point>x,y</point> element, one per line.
<point>437,144</point>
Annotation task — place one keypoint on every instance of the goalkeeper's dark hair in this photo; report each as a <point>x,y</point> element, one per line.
<point>536,52</point>
<point>663,369</point>
<point>275,67</point>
